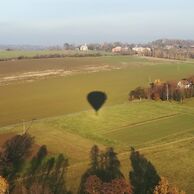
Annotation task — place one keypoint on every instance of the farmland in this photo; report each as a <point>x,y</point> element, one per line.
<point>14,54</point>
<point>163,131</point>
<point>38,95</point>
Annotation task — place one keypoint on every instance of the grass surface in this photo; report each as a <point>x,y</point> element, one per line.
<point>24,53</point>
<point>63,95</point>
<point>163,131</point>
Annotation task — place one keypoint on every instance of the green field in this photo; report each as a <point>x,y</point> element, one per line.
<point>4,54</point>
<point>50,96</point>
<point>163,131</point>
<point>17,53</point>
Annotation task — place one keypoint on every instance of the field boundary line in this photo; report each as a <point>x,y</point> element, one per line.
<point>141,123</point>
<point>168,136</point>
<point>159,145</point>
<point>140,149</point>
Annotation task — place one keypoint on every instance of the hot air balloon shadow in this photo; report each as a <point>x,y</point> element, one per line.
<point>96,99</point>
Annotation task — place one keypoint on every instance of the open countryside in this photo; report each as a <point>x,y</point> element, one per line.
<point>52,92</point>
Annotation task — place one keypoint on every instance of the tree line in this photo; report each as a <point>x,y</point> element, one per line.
<point>45,174</point>
<point>170,90</point>
<point>105,177</point>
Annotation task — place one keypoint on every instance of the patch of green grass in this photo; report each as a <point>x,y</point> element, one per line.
<point>32,53</point>
<point>129,124</point>
<point>153,130</point>
<point>163,131</point>
<point>173,161</point>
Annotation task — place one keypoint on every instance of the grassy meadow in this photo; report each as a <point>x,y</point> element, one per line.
<point>11,54</point>
<point>65,122</point>
<point>56,95</point>
<point>17,53</point>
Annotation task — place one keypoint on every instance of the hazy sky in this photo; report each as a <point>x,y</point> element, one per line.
<point>49,22</point>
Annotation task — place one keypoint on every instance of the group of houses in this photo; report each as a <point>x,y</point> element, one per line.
<point>84,48</point>
<point>120,49</point>
<point>170,90</point>
<point>181,84</point>
<point>185,84</point>
<point>176,90</point>
<point>139,50</point>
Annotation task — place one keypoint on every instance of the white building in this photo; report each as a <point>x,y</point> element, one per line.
<point>84,47</point>
<point>117,49</point>
<point>141,49</point>
<point>184,84</point>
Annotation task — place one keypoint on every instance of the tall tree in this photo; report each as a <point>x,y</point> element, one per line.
<point>37,160</point>
<point>50,176</point>
<point>143,176</point>
<point>13,155</point>
<point>112,166</point>
<point>104,165</point>
<point>94,157</point>
<point>35,167</point>
<point>93,168</point>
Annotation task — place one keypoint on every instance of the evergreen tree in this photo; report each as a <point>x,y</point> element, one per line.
<point>37,160</point>
<point>94,157</point>
<point>143,176</point>
<point>105,166</point>
<point>94,168</point>
<point>112,166</point>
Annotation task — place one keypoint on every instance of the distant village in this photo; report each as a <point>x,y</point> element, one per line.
<point>164,48</point>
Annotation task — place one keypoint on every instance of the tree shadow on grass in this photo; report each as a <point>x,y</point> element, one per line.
<point>143,176</point>
<point>104,165</point>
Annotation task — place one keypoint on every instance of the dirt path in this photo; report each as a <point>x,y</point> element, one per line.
<point>34,75</point>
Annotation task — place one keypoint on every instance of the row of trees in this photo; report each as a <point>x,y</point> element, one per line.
<point>173,49</point>
<point>165,91</point>
<point>46,174</point>
<point>105,165</point>
<point>105,177</point>
<point>172,53</point>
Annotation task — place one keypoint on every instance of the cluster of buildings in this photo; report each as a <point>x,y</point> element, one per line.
<point>184,84</point>
<point>83,47</point>
<point>122,49</point>
<point>137,50</point>
<point>140,50</point>
<point>181,84</point>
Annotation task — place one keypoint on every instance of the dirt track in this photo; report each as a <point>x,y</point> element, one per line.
<point>32,76</point>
